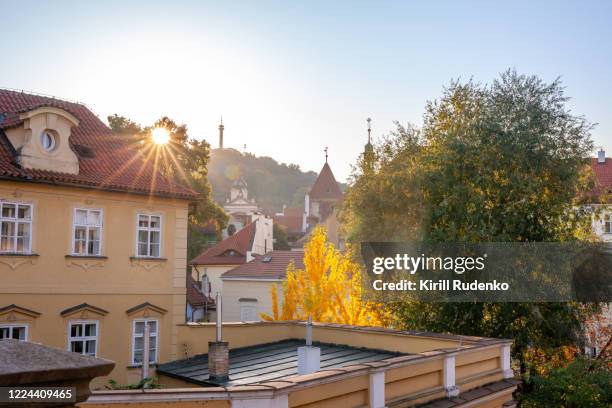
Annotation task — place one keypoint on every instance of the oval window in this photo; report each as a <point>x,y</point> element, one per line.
<point>47,140</point>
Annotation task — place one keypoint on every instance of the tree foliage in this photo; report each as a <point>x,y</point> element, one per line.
<point>329,288</point>
<point>583,383</point>
<point>497,163</point>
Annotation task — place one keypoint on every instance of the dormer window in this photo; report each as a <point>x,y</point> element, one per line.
<point>48,140</point>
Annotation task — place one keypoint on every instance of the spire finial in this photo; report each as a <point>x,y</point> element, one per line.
<point>369,120</point>
<point>221,127</point>
<point>325,150</point>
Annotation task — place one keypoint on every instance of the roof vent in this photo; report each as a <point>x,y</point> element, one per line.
<point>601,156</point>
<point>267,259</point>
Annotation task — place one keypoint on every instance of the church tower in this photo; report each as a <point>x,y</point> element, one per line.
<point>221,127</point>
<point>369,149</point>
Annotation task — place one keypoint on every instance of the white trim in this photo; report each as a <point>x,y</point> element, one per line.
<point>17,221</point>
<point>449,376</point>
<point>506,361</point>
<point>133,354</point>
<point>87,226</point>
<point>377,389</point>
<point>149,229</point>
<point>12,325</point>
<point>84,338</point>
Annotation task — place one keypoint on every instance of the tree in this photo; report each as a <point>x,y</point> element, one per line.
<point>184,160</point>
<point>280,237</point>
<point>329,288</point>
<point>583,383</point>
<point>498,163</point>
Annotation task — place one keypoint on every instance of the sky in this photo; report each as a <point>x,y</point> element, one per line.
<point>289,77</point>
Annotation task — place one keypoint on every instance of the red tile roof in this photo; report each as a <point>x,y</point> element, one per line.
<point>325,186</point>
<point>291,219</point>
<point>272,265</point>
<point>106,161</point>
<point>230,251</point>
<point>195,297</point>
<point>603,175</point>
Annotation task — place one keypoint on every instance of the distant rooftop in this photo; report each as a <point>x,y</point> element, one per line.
<point>268,362</point>
<point>272,265</point>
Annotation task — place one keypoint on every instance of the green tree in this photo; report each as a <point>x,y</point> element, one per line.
<point>280,237</point>
<point>582,384</point>
<point>183,159</point>
<point>498,163</point>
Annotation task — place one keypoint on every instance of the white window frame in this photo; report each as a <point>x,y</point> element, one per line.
<point>13,325</point>
<point>149,230</point>
<point>134,335</point>
<point>607,219</point>
<point>84,338</point>
<point>87,226</point>
<point>18,221</point>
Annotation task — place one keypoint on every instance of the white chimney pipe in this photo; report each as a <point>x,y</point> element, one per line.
<point>309,357</point>
<point>219,317</point>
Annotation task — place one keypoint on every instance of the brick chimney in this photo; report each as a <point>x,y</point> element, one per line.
<point>218,351</point>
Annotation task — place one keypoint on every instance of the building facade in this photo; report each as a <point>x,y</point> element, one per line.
<point>93,240</point>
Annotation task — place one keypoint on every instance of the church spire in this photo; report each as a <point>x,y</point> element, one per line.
<point>221,127</point>
<point>368,147</point>
<point>325,150</point>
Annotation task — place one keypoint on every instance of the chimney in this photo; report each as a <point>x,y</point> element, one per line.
<point>601,156</point>
<point>309,357</point>
<point>218,351</point>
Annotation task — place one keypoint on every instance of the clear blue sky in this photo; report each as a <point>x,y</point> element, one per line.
<point>291,77</point>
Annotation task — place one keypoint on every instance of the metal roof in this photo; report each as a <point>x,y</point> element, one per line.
<point>271,361</point>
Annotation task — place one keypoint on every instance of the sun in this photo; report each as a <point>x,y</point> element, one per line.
<point>160,136</point>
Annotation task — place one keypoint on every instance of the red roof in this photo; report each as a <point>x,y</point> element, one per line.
<point>106,161</point>
<point>195,297</point>
<point>603,174</point>
<point>325,186</point>
<point>230,251</point>
<point>272,265</point>
<point>292,224</point>
<point>291,219</point>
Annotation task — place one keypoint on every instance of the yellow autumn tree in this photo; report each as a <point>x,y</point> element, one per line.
<point>329,288</point>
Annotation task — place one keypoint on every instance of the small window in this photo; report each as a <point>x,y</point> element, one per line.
<point>248,312</point>
<point>15,228</point>
<point>14,331</point>
<point>87,232</point>
<point>138,340</point>
<point>83,337</point>
<point>608,224</point>
<point>148,236</point>
<point>48,140</point>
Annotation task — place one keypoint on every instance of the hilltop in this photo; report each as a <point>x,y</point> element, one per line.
<point>270,183</point>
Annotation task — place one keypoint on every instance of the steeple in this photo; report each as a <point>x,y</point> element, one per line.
<point>221,127</point>
<point>368,147</point>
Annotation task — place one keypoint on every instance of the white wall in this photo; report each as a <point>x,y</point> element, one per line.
<point>233,290</point>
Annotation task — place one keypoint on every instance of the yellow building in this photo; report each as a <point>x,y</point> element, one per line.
<point>93,240</point>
